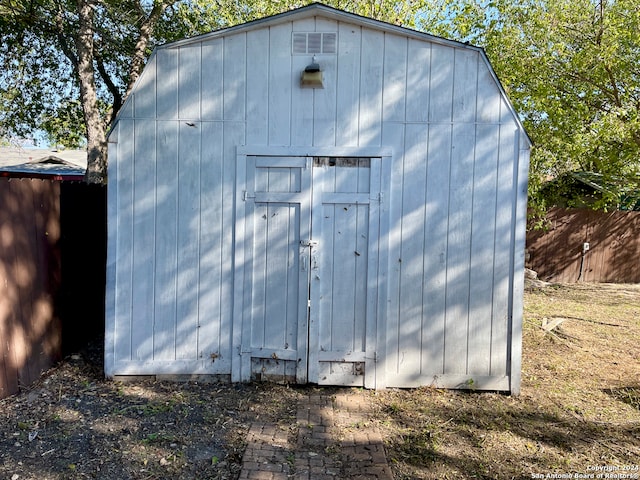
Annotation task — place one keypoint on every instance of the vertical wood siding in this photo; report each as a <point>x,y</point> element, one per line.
<point>453,192</point>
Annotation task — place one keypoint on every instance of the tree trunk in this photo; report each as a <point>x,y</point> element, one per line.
<point>96,130</point>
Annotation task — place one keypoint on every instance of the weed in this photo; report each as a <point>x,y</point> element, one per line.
<point>332,449</point>
<point>393,408</point>
<point>628,395</point>
<point>155,408</point>
<point>359,425</point>
<point>418,447</point>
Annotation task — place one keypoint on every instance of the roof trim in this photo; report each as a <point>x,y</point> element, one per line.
<point>59,177</point>
<point>312,10</point>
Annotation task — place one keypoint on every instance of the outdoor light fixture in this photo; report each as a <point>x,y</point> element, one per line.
<point>312,75</point>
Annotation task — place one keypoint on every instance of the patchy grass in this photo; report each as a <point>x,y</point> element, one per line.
<point>579,407</point>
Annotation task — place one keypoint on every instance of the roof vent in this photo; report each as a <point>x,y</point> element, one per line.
<point>315,43</point>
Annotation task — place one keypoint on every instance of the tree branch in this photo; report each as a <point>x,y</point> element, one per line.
<point>615,93</point>
<point>113,89</point>
<point>610,91</point>
<point>64,45</point>
<point>138,58</point>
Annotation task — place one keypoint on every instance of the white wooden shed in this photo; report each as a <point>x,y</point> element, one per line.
<point>369,231</point>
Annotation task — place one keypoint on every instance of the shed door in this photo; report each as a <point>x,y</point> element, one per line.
<point>343,270</point>
<point>310,285</point>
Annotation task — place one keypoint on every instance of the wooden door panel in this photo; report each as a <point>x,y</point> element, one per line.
<point>339,289</point>
<point>276,283</point>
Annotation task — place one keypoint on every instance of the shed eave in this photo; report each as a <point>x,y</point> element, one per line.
<point>326,11</point>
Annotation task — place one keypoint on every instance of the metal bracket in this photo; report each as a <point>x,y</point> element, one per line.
<point>246,194</point>
<point>308,243</point>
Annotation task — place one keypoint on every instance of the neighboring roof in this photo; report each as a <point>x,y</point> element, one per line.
<point>320,9</point>
<point>581,188</point>
<point>42,163</point>
<point>627,189</point>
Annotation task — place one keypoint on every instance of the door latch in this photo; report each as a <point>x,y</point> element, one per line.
<point>308,243</point>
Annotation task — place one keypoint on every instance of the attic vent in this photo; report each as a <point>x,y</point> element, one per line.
<point>305,43</point>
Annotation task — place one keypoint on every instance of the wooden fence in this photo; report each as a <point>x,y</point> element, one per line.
<point>30,328</point>
<point>559,254</point>
<point>52,274</point>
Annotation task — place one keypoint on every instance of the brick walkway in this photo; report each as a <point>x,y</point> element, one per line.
<point>334,441</point>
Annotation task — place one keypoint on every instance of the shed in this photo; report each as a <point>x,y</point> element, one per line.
<point>52,250</point>
<point>363,225</point>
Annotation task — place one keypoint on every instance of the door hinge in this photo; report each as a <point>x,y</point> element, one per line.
<point>379,197</point>
<point>246,194</point>
<point>372,356</point>
<point>308,243</point>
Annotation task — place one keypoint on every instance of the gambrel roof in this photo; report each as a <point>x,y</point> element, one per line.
<point>330,13</point>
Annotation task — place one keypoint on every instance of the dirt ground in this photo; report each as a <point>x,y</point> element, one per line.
<point>578,415</point>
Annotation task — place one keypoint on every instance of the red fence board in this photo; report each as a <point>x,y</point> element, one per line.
<point>30,330</point>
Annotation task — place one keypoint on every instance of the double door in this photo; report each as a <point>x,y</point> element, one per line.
<point>310,261</point>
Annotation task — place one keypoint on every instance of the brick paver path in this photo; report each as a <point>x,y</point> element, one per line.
<point>334,441</point>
